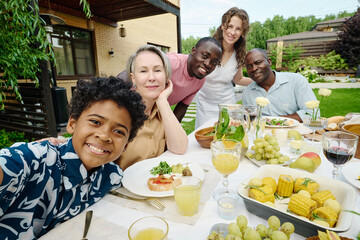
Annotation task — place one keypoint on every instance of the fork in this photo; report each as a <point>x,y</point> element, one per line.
<point>152,201</point>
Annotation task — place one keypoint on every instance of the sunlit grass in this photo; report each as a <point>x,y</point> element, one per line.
<point>340,102</point>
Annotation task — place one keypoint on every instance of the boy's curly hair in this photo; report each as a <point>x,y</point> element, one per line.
<point>88,92</point>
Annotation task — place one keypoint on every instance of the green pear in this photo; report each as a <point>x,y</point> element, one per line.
<point>304,163</point>
<point>294,134</point>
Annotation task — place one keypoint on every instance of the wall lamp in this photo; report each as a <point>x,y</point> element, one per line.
<point>122,31</point>
<point>111,52</point>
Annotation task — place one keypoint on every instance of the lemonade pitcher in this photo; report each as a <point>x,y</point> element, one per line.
<point>233,123</point>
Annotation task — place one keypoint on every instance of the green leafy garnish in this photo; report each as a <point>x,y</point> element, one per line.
<point>277,196</point>
<point>210,133</point>
<point>222,127</point>
<point>163,168</point>
<point>315,216</point>
<point>275,122</point>
<point>255,187</point>
<point>307,181</point>
<point>229,132</point>
<point>239,133</point>
<point>352,212</point>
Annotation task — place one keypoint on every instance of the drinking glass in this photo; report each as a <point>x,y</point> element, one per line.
<point>225,155</point>
<point>187,195</point>
<point>315,125</point>
<point>339,148</point>
<point>149,228</point>
<point>252,111</point>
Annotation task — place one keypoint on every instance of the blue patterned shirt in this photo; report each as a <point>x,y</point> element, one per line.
<point>287,96</point>
<point>45,185</point>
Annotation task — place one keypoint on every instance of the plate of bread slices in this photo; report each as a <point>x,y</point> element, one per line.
<point>333,123</point>
<point>156,177</point>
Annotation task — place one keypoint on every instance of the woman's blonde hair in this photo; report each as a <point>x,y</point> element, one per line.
<point>130,65</point>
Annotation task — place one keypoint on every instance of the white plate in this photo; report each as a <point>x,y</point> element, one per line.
<point>351,172</point>
<point>296,122</point>
<point>343,192</point>
<point>136,176</point>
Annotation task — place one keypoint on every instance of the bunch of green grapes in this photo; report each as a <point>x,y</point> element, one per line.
<point>241,231</point>
<point>267,148</point>
<point>178,168</point>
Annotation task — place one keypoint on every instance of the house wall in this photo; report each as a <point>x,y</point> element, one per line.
<point>159,29</point>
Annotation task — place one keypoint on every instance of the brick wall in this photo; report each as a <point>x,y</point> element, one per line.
<point>158,29</point>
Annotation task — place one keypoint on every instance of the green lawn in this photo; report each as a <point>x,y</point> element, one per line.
<point>189,127</point>
<point>339,103</point>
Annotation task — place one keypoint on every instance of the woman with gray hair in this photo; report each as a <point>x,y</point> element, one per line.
<point>149,70</point>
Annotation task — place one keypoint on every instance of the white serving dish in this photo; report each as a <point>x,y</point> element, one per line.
<point>343,192</point>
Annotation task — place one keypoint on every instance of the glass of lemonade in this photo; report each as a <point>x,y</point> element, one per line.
<point>225,155</point>
<point>149,228</point>
<point>187,195</point>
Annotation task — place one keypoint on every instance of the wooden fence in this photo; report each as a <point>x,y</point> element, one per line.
<point>315,49</point>
<point>34,114</point>
<point>310,49</point>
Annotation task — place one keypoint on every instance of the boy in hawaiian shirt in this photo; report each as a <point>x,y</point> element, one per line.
<point>42,185</point>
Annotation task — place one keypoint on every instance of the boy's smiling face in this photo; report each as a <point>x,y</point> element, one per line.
<point>101,133</point>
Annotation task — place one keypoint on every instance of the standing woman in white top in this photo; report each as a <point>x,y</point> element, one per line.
<point>218,87</point>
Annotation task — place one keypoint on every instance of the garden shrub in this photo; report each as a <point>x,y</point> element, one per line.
<point>311,75</point>
<point>291,52</point>
<point>328,61</point>
<point>9,138</point>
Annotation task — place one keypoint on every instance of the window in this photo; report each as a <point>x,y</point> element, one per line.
<point>73,49</point>
<point>162,48</point>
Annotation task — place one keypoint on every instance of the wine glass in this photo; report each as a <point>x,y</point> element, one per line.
<point>225,155</point>
<point>339,147</point>
<point>252,110</point>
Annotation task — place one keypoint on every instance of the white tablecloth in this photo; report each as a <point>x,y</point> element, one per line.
<point>124,217</point>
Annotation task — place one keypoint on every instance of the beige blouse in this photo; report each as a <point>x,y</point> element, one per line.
<point>148,143</point>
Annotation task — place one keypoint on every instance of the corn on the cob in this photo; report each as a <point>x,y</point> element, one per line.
<point>322,196</point>
<point>306,184</point>
<point>301,205</point>
<point>326,213</point>
<point>269,181</point>
<point>285,186</point>
<point>262,194</point>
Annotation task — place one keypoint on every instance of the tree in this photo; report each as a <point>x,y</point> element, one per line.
<point>212,31</point>
<point>23,43</point>
<point>279,26</point>
<point>348,45</point>
<point>188,43</point>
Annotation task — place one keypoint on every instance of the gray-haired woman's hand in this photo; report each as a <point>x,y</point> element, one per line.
<point>166,92</point>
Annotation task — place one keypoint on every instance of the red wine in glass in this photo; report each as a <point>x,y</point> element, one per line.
<point>252,117</point>
<point>338,155</point>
